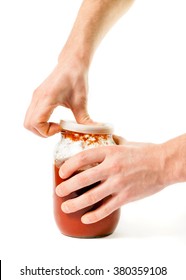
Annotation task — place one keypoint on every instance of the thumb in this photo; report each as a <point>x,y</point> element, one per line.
<point>119,140</point>
<point>82,117</point>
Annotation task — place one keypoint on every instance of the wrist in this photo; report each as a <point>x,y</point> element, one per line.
<point>77,52</point>
<point>174,159</point>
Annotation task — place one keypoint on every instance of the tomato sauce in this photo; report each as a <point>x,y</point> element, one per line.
<point>71,225</point>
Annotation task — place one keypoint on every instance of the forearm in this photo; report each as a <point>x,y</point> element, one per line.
<point>174,154</point>
<point>94,20</point>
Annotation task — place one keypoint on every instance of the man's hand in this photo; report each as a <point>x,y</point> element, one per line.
<point>66,86</point>
<point>126,173</point>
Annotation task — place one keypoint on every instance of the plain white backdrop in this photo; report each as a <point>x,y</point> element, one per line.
<point>136,82</point>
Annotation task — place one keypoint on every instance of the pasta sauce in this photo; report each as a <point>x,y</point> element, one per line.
<point>70,224</point>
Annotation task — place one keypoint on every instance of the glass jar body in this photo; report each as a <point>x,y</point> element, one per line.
<point>70,224</point>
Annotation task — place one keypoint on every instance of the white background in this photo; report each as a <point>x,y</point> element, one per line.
<point>137,82</point>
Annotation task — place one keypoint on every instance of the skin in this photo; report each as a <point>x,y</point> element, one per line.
<point>67,85</point>
<point>127,172</point>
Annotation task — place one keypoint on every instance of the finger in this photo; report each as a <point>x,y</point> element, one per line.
<point>79,108</point>
<point>81,180</point>
<point>82,116</point>
<point>89,198</point>
<point>37,116</point>
<point>82,159</point>
<point>107,208</point>
<point>119,140</point>
<point>29,113</point>
<point>47,129</point>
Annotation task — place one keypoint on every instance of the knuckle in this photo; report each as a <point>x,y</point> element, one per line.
<point>116,168</point>
<point>71,205</point>
<point>42,128</point>
<point>101,213</point>
<point>91,198</point>
<point>29,124</point>
<point>33,125</point>
<point>83,180</point>
<point>106,210</point>
<point>26,124</point>
<point>94,216</point>
<point>82,158</point>
<point>84,118</point>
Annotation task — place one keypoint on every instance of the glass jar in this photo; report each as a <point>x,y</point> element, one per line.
<point>74,139</point>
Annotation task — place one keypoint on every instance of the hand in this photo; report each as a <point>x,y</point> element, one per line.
<point>126,172</point>
<point>66,86</point>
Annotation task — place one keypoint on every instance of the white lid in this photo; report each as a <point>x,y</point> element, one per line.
<point>99,128</point>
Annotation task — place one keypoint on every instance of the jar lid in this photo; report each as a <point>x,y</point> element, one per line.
<point>99,128</point>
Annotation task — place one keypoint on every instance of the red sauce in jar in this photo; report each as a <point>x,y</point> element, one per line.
<point>71,225</point>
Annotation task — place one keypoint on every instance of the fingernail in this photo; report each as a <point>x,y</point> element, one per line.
<point>85,220</point>
<point>65,208</point>
<point>59,192</point>
<point>61,174</point>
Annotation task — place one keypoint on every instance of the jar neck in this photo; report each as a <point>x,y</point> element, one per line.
<point>86,137</point>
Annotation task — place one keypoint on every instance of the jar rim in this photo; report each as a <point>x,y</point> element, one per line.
<point>97,128</point>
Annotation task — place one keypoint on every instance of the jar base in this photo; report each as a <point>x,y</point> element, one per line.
<point>88,237</point>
